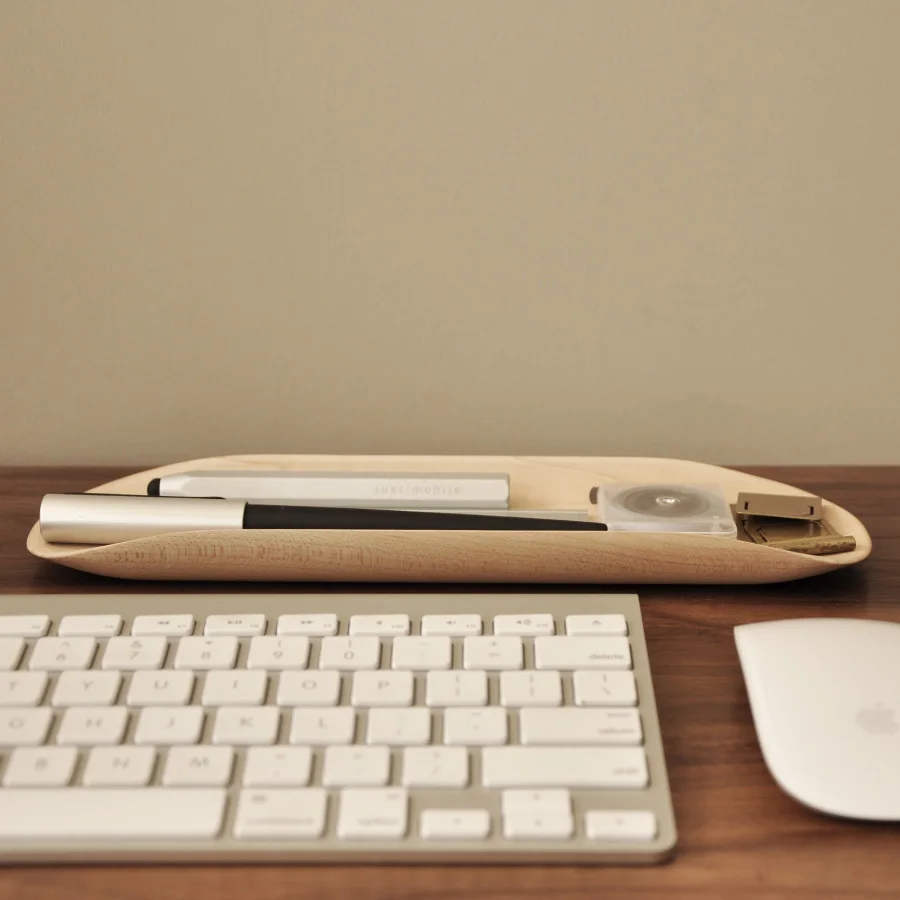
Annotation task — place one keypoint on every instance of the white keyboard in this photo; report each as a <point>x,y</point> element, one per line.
<point>395,727</point>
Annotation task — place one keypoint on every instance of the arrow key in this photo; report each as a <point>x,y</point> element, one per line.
<point>620,825</point>
<point>454,824</point>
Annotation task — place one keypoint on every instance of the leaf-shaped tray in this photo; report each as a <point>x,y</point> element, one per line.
<point>465,556</point>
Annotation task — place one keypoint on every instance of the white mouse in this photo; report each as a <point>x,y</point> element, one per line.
<point>825,696</point>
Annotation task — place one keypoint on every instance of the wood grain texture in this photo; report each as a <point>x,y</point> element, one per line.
<point>465,556</point>
<point>740,836</point>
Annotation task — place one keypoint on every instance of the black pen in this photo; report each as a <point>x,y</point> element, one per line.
<point>95,518</point>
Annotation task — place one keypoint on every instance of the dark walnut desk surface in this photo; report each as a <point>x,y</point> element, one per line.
<point>740,836</point>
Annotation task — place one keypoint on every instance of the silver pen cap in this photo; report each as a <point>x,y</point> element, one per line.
<point>106,519</point>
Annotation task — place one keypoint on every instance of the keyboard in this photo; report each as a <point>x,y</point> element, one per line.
<point>330,727</point>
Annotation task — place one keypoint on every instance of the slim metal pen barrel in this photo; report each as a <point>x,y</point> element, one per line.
<point>106,519</point>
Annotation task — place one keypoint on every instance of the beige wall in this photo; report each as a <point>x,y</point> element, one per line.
<point>614,228</point>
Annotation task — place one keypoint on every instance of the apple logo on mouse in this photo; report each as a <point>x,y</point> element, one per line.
<point>877,720</point>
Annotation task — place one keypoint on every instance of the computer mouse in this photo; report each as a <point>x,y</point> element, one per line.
<point>824,695</point>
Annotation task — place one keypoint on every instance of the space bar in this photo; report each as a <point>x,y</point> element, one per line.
<point>110,814</point>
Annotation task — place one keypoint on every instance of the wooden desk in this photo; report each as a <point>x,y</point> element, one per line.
<point>740,835</point>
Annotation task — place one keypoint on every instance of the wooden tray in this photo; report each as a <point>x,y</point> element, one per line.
<point>461,556</point>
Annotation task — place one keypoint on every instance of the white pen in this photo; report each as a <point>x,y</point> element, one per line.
<point>375,490</point>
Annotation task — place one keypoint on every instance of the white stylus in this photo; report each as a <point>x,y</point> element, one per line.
<point>376,490</point>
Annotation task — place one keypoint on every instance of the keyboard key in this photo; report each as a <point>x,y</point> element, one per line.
<point>454,824</point>
<point>230,688</point>
<point>198,767</point>
<point>537,826</point>
<point>568,653</point>
<point>179,625</point>
<point>90,726</point>
<point>573,767</point>
<point>22,688</point>
<point>24,727</point>
<point>130,654</point>
<point>382,689</point>
<point>247,725</point>
<point>380,626</point>
<point>492,653</point>
<point>239,626</point>
<point>323,726</point>
<point>356,767</point>
<point>525,625</point>
<point>530,689</point>
<point>604,689</point>
<point>556,801</point>
<point>278,767</point>
<point>206,653</point>
<point>55,654</point>
<point>611,624</point>
<point>90,626</point>
<point>435,767</point>
<point>421,653</point>
<point>452,626</point>
<point>373,813</point>
<point>169,725</point>
<point>347,653</point>
<point>119,767</point>
<point>456,689</point>
<point>308,689</point>
<point>40,767</point>
<point>579,726</point>
<point>314,625</point>
<point>86,688</point>
<point>271,652</point>
<point>293,814</point>
<point>24,626</point>
<point>114,814</point>
<point>161,688</point>
<point>11,649</point>
<point>475,727</point>
<point>620,825</point>
<point>399,727</point>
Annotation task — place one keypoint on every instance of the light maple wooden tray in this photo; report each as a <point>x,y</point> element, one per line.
<point>464,556</point>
